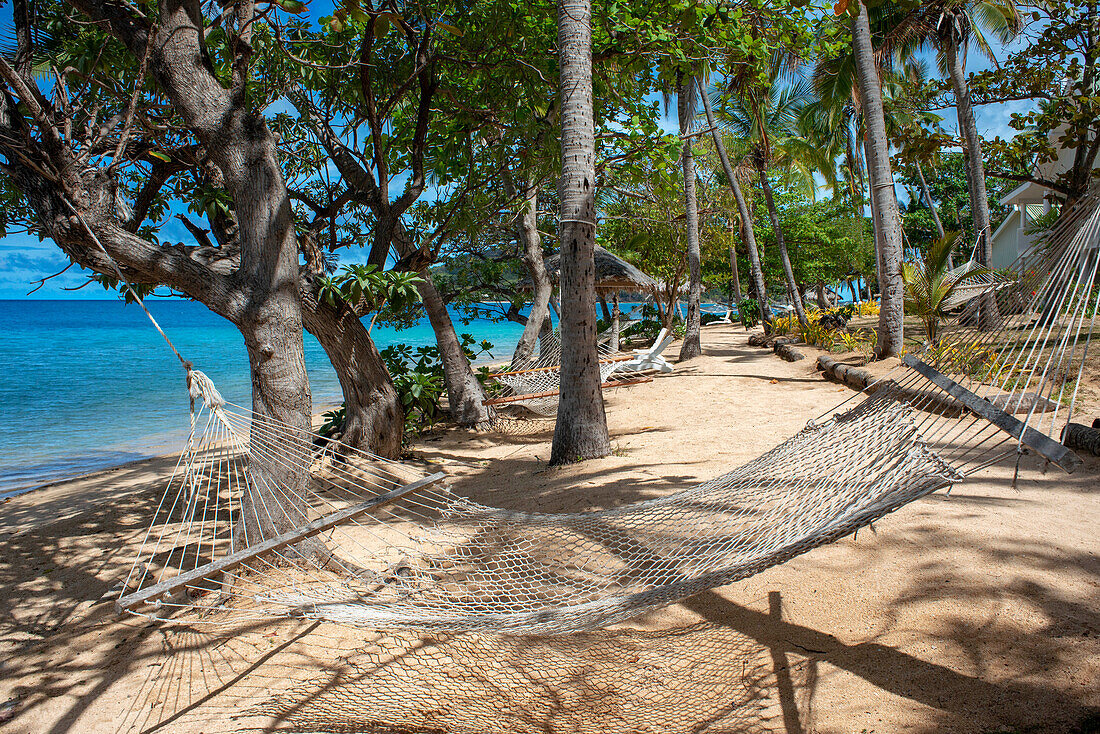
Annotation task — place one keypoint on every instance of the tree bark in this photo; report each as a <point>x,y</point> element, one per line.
<point>881,177</point>
<point>988,316</point>
<point>743,212</point>
<point>581,428</point>
<point>769,201</point>
<point>691,347</point>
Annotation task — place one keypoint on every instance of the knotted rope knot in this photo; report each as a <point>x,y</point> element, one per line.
<point>201,387</point>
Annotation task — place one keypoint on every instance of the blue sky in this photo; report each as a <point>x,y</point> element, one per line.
<point>24,259</point>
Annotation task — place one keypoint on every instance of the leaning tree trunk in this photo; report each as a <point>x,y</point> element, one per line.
<point>928,200</point>
<point>691,346</point>
<point>465,395</point>
<point>531,241</point>
<point>374,419</point>
<point>581,428</point>
<point>988,316</point>
<point>769,200</point>
<point>927,193</point>
<point>884,201</point>
<point>743,212</point>
<point>737,297</point>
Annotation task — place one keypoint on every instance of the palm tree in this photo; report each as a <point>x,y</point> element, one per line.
<point>685,103</point>
<point>950,26</point>
<point>742,211</point>
<point>581,428</point>
<point>883,200</point>
<point>767,116</point>
<point>930,283</point>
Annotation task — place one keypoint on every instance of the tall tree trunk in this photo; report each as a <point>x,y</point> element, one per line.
<point>884,202</point>
<point>769,201</point>
<point>691,346</point>
<point>375,420</point>
<point>822,301</point>
<point>988,316</point>
<point>581,428</point>
<point>531,242</point>
<point>743,212</point>
<point>876,230</point>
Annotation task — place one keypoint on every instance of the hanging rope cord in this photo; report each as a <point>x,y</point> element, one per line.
<point>187,365</point>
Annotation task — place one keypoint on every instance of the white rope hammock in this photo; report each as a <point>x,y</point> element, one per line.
<point>535,383</point>
<point>261,520</point>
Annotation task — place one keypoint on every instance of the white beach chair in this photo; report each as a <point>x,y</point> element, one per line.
<point>724,313</point>
<point>649,359</point>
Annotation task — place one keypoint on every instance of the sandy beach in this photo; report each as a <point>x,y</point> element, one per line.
<point>974,612</point>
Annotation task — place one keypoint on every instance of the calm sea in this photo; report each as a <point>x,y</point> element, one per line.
<point>91,384</point>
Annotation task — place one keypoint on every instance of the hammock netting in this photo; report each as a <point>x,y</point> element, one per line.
<point>262,521</point>
<point>533,384</point>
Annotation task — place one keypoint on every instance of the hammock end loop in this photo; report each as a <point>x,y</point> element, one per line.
<point>201,387</point>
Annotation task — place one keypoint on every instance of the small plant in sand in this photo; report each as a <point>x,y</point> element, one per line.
<point>930,283</point>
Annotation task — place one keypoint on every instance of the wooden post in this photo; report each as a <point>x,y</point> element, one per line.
<point>615,322</point>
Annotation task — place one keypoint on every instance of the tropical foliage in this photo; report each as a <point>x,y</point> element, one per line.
<point>930,283</point>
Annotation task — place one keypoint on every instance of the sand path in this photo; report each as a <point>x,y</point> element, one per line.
<point>969,613</point>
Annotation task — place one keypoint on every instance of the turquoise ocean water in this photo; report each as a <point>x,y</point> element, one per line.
<point>91,384</point>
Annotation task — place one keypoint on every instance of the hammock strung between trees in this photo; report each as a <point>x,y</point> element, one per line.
<point>361,540</point>
<point>535,384</point>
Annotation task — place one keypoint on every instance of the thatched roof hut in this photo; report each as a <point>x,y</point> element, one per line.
<point>612,273</point>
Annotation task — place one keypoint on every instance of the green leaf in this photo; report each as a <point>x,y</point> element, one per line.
<point>292,6</point>
<point>449,28</point>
